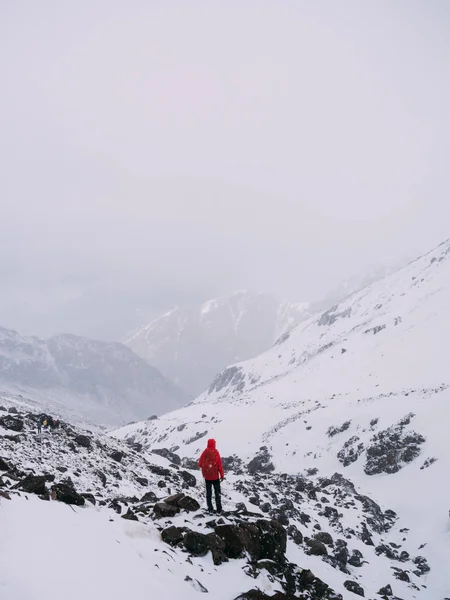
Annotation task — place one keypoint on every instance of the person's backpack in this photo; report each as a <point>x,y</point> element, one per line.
<point>210,470</point>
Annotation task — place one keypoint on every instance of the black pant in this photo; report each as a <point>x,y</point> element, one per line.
<point>209,487</point>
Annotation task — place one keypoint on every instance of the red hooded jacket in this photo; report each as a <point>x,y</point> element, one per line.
<point>210,462</point>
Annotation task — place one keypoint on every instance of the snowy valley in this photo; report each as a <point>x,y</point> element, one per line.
<point>336,453</point>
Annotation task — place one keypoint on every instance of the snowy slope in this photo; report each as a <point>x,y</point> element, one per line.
<point>362,390</point>
<point>75,376</point>
<point>334,534</point>
<point>190,345</point>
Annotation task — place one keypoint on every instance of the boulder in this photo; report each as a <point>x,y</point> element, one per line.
<point>356,559</point>
<point>325,538</point>
<point>12,423</point>
<point>295,534</point>
<point>316,548</point>
<point>261,463</point>
<point>386,591</point>
<point>162,510</point>
<point>130,516</point>
<point>90,498</point>
<point>196,543</point>
<point>33,484</point>
<point>149,497</point>
<point>165,453</point>
<point>4,466</point>
<point>83,440</point>
<point>117,455</point>
<point>188,504</point>
<point>142,481</point>
<point>174,500</point>
<point>354,587</point>
<point>189,479</point>
<point>65,492</point>
<point>172,535</point>
<point>217,547</point>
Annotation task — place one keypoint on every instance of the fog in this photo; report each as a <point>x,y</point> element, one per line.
<point>156,153</point>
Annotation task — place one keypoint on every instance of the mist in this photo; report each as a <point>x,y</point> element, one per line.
<point>161,153</point>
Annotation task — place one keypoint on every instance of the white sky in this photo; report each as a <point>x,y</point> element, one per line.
<point>160,152</point>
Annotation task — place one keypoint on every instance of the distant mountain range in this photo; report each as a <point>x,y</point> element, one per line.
<point>98,381</point>
<point>191,344</point>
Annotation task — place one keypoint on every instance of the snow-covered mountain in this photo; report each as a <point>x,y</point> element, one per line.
<point>190,345</point>
<point>78,377</point>
<point>361,390</point>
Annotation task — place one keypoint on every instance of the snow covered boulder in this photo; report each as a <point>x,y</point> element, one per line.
<point>12,423</point>
<point>354,587</point>
<point>261,463</point>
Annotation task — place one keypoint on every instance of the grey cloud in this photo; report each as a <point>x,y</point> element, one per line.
<point>156,153</point>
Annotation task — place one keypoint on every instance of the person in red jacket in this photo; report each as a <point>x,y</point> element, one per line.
<point>212,470</point>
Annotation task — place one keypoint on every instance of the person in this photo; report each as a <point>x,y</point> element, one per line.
<point>212,470</point>
<point>39,425</point>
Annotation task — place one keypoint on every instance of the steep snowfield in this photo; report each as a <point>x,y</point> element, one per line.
<point>80,378</point>
<point>368,380</point>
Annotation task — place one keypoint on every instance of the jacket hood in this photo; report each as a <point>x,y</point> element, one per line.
<point>212,444</point>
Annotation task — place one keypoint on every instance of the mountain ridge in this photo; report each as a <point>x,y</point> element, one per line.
<point>101,381</point>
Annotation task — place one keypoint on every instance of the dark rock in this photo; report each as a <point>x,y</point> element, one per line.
<point>233,539</point>
<point>386,591</point>
<point>142,481</point>
<point>325,538</point>
<point>101,476</point>
<point>261,463</point>
<point>162,484</point>
<point>295,534</point>
<point>356,559</point>
<point>130,516</point>
<point>217,547</point>
<point>172,535</point>
<point>65,492</point>
<point>196,543</point>
<point>32,484</point>
<point>316,548</point>
<point>4,466</point>
<point>332,431</point>
<point>422,565</point>
<point>174,500</point>
<point>353,587</point>
<point>392,448</point>
<point>189,504</point>
<point>83,440</point>
<point>266,507</point>
<point>12,423</point>
<point>90,498</point>
<point>165,453</point>
<point>149,497</point>
<point>13,410</point>
<point>189,479</point>
<point>163,510</point>
<point>189,463</point>
<point>117,455</point>
<point>401,575</point>
<point>161,471</point>
<point>259,595</point>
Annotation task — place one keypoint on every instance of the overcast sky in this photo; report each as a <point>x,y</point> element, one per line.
<point>155,153</point>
